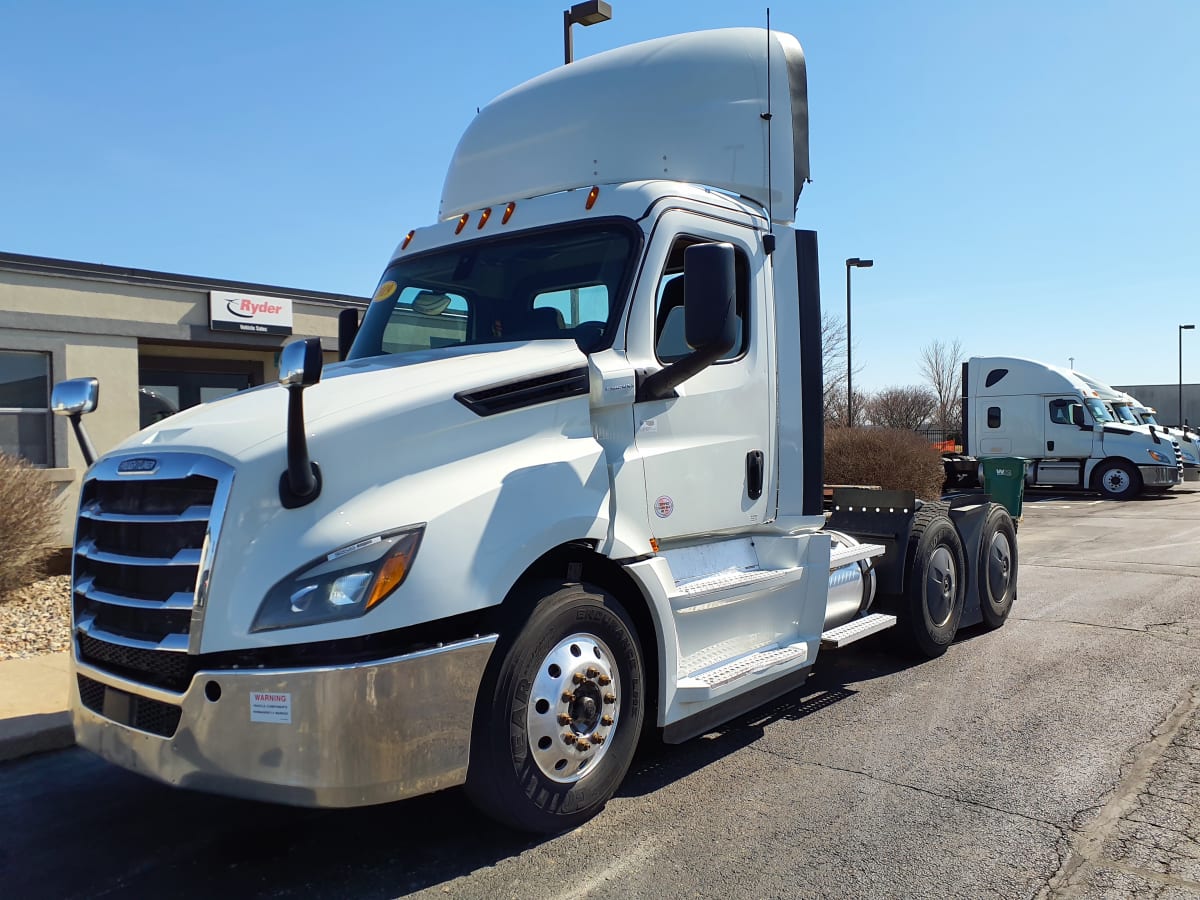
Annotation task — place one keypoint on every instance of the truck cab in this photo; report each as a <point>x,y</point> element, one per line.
<point>566,486</point>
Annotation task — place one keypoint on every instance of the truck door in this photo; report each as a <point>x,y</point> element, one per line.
<point>709,452</point>
<point>1068,428</point>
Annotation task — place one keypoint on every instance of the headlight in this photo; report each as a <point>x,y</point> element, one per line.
<point>1188,457</point>
<point>1159,457</point>
<point>343,584</point>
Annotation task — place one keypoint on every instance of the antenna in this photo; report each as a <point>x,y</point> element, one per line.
<point>769,237</point>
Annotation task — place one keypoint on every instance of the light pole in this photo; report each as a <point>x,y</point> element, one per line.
<point>852,263</point>
<point>1182,329</point>
<point>588,13</point>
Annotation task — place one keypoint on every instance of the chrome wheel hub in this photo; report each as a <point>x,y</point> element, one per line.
<point>573,707</point>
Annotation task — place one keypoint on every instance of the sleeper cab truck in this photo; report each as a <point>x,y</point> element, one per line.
<point>1131,411</point>
<point>564,489</point>
<point>1059,422</point>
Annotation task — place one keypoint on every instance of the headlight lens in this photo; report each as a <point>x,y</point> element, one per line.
<point>344,584</point>
<point>1159,457</point>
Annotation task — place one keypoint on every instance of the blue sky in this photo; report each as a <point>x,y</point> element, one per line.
<point>1026,175</point>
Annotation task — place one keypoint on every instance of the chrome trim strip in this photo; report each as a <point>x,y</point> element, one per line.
<point>89,670</point>
<point>172,643</point>
<point>185,557</point>
<point>177,601</point>
<point>191,514</point>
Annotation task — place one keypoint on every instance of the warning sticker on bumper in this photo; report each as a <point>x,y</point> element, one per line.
<point>270,707</point>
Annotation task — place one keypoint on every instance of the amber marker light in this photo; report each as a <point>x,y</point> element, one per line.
<point>654,544</point>
<point>462,222</point>
<point>592,195</point>
<point>487,214</point>
<point>395,570</point>
<point>508,211</point>
<point>408,239</point>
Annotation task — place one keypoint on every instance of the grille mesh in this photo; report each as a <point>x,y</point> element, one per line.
<point>142,713</point>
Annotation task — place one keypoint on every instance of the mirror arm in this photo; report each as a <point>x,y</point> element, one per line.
<point>81,435</point>
<point>661,385</point>
<point>301,483</point>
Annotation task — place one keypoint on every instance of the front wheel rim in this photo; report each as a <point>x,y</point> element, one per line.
<point>573,708</point>
<point>1117,481</point>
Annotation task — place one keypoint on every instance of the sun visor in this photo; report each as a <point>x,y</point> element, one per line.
<point>690,107</point>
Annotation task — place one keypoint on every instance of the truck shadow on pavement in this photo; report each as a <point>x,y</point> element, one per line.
<point>145,839</point>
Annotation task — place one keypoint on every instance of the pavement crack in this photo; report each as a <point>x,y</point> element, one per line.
<point>1087,843</point>
<point>1170,637</point>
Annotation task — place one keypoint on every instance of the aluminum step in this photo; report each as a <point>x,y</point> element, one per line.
<point>706,684</point>
<point>857,629</point>
<point>722,581</point>
<point>842,556</point>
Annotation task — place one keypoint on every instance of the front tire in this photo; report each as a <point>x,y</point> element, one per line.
<point>559,711</point>
<point>1118,480</point>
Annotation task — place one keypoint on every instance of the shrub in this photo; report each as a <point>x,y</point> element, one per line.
<point>28,519</point>
<point>889,458</point>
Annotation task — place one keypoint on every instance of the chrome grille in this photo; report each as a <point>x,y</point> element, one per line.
<point>1178,459</point>
<point>143,545</point>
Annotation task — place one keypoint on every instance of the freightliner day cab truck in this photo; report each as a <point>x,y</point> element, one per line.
<point>565,489</point>
<point>1059,422</point>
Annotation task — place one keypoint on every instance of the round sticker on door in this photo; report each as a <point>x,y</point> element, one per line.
<point>664,506</point>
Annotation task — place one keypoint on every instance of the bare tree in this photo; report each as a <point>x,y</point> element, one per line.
<point>900,407</point>
<point>941,364</point>
<point>833,368</point>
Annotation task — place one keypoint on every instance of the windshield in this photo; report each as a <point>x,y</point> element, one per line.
<point>1098,410</point>
<point>1125,414</point>
<point>542,285</point>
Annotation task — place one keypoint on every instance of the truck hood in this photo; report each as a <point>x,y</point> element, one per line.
<point>355,392</point>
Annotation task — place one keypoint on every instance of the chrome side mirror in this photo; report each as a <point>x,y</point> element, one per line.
<point>75,397</point>
<point>300,363</point>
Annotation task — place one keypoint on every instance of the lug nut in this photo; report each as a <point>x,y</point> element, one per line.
<point>568,737</point>
<point>568,697</point>
<point>604,679</point>
<point>592,672</point>
<point>578,678</point>
<point>606,720</point>
<point>564,719</point>
<point>582,746</point>
<point>598,738</point>
<point>610,698</point>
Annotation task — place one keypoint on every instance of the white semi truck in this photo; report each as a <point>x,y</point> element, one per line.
<point>565,489</point>
<point>1058,420</point>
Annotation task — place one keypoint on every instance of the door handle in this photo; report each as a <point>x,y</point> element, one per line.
<point>754,474</point>
<point>1049,445</point>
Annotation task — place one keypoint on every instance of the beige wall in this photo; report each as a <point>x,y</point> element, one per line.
<point>99,327</point>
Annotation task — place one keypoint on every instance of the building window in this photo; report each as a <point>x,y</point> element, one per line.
<point>993,417</point>
<point>25,425</point>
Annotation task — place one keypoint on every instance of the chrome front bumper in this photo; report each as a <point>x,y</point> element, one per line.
<point>338,736</point>
<point>1159,476</point>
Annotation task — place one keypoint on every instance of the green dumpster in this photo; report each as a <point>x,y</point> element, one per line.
<point>1004,481</point>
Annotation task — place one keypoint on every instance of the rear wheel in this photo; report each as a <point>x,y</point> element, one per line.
<point>997,566</point>
<point>559,711</point>
<point>935,589</point>
<point>1118,480</point>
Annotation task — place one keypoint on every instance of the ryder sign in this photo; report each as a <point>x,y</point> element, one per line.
<point>249,313</point>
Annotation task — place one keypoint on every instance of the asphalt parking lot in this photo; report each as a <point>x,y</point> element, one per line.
<point>1056,757</point>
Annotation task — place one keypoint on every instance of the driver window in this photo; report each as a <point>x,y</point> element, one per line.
<point>1066,412</point>
<point>670,343</point>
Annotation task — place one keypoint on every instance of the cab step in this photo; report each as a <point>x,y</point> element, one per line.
<point>843,556</point>
<point>708,683</point>
<point>857,629</point>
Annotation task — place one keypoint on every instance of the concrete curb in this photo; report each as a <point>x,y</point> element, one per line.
<point>26,735</point>
<point>33,705</point>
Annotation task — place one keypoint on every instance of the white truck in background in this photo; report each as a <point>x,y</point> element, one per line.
<point>1131,411</point>
<point>1058,420</point>
<point>565,488</point>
